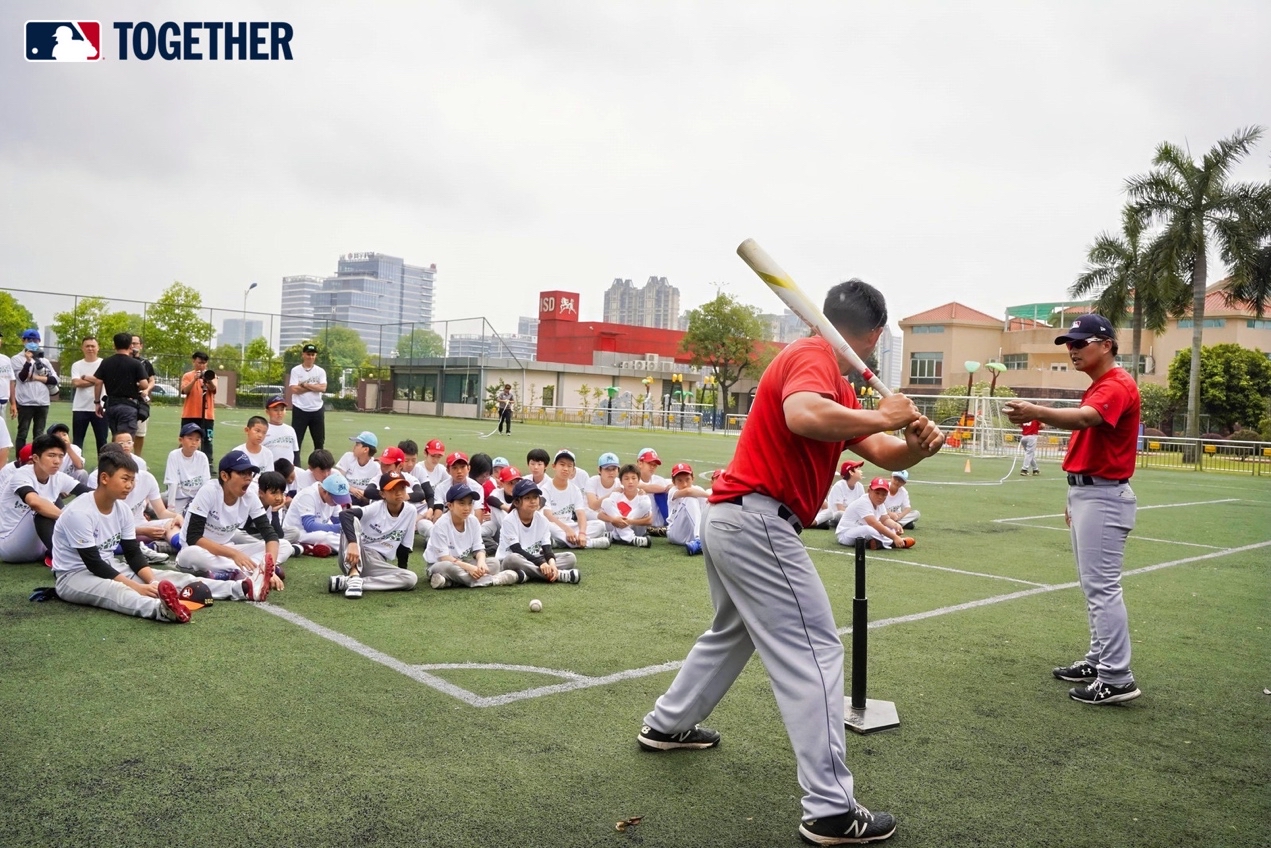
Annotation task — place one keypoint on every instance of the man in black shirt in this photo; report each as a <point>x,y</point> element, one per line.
<point>122,379</point>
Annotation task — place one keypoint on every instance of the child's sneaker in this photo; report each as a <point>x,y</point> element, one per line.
<point>152,556</point>
<point>640,541</point>
<point>506,578</point>
<point>318,550</point>
<point>599,544</point>
<point>337,583</point>
<point>906,542</point>
<point>568,575</point>
<point>353,587</point>
<point>170,606</point>
<point>439,581</point>
<point>852,828</point>
<point>694,547</point>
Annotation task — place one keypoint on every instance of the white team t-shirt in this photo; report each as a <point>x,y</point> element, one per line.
<point>437,476</point>
<point>223,520</point>
<point>581,479</point>
<point>307,401</point>
<point>82,525</point>
<point>144,490</point>
<point>857,510</point>
<point>531,538</point>
<point>263,460</point>
<point>281,441</point>
<point>183,477</point>
<point>382,531</point>
<point>308,501</point>
<point>359,476</point>
<point>439,496</point>
<point>898,501</point>
<point>83,399</point>
<point>677,505</point>
<point>14,511</point>
<point>566,505</point>
<point>595,486</point>
<point>448,541</point>
<point>840,493</point>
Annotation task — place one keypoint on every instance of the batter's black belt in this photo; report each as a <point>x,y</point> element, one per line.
<point>755,502</point>
<point>1087,480</point>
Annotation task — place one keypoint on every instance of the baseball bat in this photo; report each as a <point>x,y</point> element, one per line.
<point>789,292</point>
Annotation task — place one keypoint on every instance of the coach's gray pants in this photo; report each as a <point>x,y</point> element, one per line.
<point>1102,518</point>
<point>768,597</point>
<point>1030,452</point>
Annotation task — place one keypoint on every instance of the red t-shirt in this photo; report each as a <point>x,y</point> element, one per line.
<point>1032,428</point>
<point>770,459</point>
<point>1108,449</point>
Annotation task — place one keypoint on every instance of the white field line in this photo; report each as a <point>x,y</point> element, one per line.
<point>1133,535</point>
<point>577,681</point>
<point>1140,509</point>
<point>846,552</point>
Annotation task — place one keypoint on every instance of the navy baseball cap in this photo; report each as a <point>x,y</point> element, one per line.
<point>1088,327</point>
<point>460,490</point>
<point>276,400</point>
<point>190,429</point>
<point>525,486</point>
<point>237,461</point>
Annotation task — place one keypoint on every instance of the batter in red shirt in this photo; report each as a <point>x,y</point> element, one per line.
<point>767,594</point>
<point>1101,505</point>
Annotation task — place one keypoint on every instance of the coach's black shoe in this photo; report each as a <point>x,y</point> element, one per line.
<point>1079,672</point>
<point>1099,692</point>
<point>852,828</point>
<point>698,737</point>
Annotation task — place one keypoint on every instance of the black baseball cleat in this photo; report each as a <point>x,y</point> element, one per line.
<point>698,737</point>
<point>1099,692</point>
<point>852,828</point>
<point>1079,672</point>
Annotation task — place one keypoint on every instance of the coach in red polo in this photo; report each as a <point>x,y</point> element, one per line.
<point>1101,505</point>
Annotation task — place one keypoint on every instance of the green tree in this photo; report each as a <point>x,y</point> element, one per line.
<point>1157,406</point>
<point>1235,384</point>
<point>14,318</point>
<point>174,328</point>
<point>227,358</point>
<point>1198,205</point>
<point>92,316</point>
<point>420,343</point>
<point>725,335</point>
<point>1128,277</point>
<point>260,365</point>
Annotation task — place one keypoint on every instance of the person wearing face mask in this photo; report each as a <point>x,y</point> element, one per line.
<point>34,383</point>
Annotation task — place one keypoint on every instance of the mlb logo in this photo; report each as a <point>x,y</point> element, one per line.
<point>63,41</point>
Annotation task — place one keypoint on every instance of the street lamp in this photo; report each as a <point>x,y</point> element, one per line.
<point>242,339</point>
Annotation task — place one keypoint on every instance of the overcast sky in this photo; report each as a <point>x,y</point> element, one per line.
<point>941,151</point>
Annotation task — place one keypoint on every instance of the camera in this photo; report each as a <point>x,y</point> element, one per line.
<point>208,376</point>
<point>38,353</point>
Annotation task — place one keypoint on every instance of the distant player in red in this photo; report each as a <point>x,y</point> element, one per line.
<point>1028,440</point>
<point>1101,505</point>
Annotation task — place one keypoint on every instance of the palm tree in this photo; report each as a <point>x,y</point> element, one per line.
<point>1128,278</point>
<point>1196,203</point>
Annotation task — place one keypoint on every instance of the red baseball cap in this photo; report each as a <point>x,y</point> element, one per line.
<point>509,473</point>
<point>880,483</point>
<point>457,456</point>
<point>392,454</point>
<point>649,455</point>
<point>681,468</point>
<point>849,465</point>
<point>435,447</point>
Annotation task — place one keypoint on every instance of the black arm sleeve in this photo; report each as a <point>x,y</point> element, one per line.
<point>24,491</point>
<point>417,495</point>
<point>264,529</point>
<point>194,526</point>
<point>80,489</point>
<point>346,522</point>
<point>547,551</point>
<point>403,556</point>
<point>516,548</point>
<point>133,554</point>
<point>429,494</point>
<point>93,561</point>
<point>493,502</point>
<point>372,493</point>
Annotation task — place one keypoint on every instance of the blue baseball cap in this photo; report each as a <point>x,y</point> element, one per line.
<point>367,438</point>
<point>31,335</point>
<point>459,491</point>
<point>525,486</point>
<point>236,461</point>
<point>338,488</point>
<point>499,462</point>
<point>608,459</point>
<point>190,429</point>
<point>902,475</point>
<point>1088,327</point>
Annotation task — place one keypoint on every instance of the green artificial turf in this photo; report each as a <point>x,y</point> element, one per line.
<point>245,729</point>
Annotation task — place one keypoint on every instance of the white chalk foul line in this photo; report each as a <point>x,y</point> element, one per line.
<point>1139,509</point>
<point>1132,536</point>
<point>419,673</point>
<point>925,565</point>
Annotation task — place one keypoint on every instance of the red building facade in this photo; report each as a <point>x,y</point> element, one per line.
<point>563,338</point>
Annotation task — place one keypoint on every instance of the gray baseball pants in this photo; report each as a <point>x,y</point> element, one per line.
<point>768,597</point>
<point>84,587</point>
<point>530,571</point>
<point>1029,444</point>
<point>1102,518</point>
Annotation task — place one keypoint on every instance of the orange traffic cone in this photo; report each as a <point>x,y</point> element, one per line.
<point>967,470</point>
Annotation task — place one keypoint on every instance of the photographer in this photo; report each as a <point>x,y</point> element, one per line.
<point>122,379</point>
<point>34,382</point>
<point>198,386</point>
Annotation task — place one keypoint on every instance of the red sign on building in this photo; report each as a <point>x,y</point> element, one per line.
<point>558,306</point>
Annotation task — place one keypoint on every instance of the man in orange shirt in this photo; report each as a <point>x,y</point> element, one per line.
<point>198,385</point>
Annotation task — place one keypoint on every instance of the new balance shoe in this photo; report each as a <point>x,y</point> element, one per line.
<point>170,606</point>
<point>1099,692</point>
<point>439,581</point>
<point>852,828</point>
<point>568,575</point>
<point>599,544</point>
<point>152,556</point>
<point>318,550</point>
<point>506,578</point>
<point>696,738</point>
<point>337,583</point>
<point>353,587</point>
<point>1079,672</point>
<point>694,547</point>
<point>639,541</point>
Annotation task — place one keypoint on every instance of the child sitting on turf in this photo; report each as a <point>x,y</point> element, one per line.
<point>866,518</point>
<point>281,437</point>
<point>525,541</point>
<point>314,515</point>
<point>500,500</point>
<point>683,527</point>
<point>434,469</point>
<point>73,462</point>
<point>164,529</point>
<point>187,469</point>
<point>321,463</point>
<point>655,486</point>
<point>359,466</point>
<point>456,551</point>
<point>602,485</point>
<point>536,464</point>
<point>87,573</point>
<point>566,508</point>
<point>377,542</point>
<point>842,493</point>
<point>897,503</point>
<point>628,512</point>
<point>254,443</point>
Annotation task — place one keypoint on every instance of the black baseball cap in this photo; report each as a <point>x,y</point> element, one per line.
<point>525,486</point>
<point>236,461</point>
<point>391,479</point>
<point>460,490</point>
<point>1088,327</point>
<point>309,348</point>
<point>190,429</point>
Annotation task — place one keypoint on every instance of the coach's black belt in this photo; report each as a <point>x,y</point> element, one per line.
<point>762,503</point>
<point>1087,480</point>
<point>114,401</point>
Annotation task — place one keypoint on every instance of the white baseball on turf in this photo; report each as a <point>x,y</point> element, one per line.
<point>536,605</point>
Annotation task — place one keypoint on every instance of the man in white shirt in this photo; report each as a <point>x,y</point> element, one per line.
<point>847,489</point>
<point>305,385</point>
<point>83,410</point>
<point>866,518</point>
<point>35,382</point>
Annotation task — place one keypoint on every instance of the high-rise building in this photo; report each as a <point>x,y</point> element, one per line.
<point>379,296</point>
<point>890,354</point>
<point>784,328</point>
<point>656,304</point>
<point>517,346</point>
<point>232,331</point>
<point>526,326</point>
<point>296,322</point>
